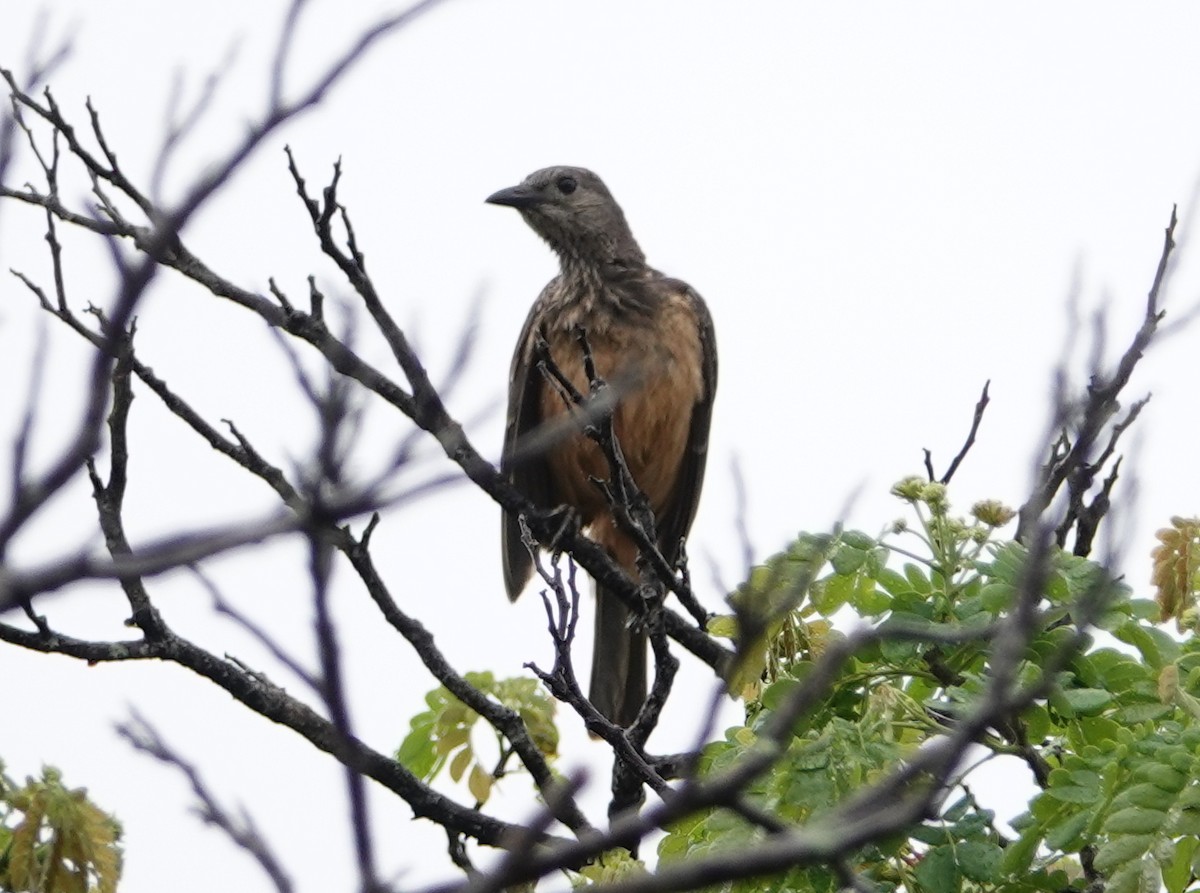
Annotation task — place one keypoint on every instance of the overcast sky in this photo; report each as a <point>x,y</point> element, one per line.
<point>885,205</point>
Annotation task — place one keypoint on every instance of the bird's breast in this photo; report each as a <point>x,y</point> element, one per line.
<point>653,363</point>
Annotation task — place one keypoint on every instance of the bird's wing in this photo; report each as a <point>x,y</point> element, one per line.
<point>676,519</point>
<point>529,474</point>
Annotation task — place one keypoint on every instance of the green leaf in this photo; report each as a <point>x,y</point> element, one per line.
<point>1122,849</point>
<point>461,761</point>
<point>1073,702</point>
<point>479,783</point>
<point>821,880</point>
<point>1185,822</point>
<point>907,621</point>
<point>1111,620</point>
<point>830,593</point>
<point>1134,820</point>
<point>893,582</point>
<point>1099,731</point>
<point>859,540</point>
<point>1125,674</point>
<point>416,753</point>
<point>869,600</point>
<point>937,871</point>
<point>958,810</point>
<point>1072,794</point>
<point>1183,761</point>
<point>1125,879</point>
<point>452,738</point>
<point>1162,776</point>
<point>917,579</point>
<point>1139,713</point>
<point>1063,834</point>
<point>611,868</point>
<point>1151,879</point>
<point>1037,724</point>
<point>680,836</point>
<point>976,824</point>
<point>1008,562</point>
<point>847,559</point>
<point>1177,867</point>
<point>484,680</point>
<point>1189,798</point>
<point>777,692</point>
<point>898,651</point>
<point>1156,646</point>
<point>1144,609</point>
<point>812,755</point>
<point>931,835</point>
<point>1019,855</point>
<point>1144,795</point>
<point>979,860</point>
<point>1085,778</point>
<point>996,597</point>
<point>913,604</point>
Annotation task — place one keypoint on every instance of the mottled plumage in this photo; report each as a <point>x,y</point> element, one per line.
<point>652,339</point>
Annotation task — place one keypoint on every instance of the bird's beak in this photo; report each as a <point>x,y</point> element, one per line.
<point>519,197</point>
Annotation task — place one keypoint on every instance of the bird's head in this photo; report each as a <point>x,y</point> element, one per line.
<point>572,209</point>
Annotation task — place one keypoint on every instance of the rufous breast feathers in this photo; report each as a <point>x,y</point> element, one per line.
<point>656,373</point>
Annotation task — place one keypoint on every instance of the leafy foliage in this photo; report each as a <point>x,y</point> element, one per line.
<point>441,736</point>
<point>55,840</point>
<point>1110,755</point>
<point>609,868</point>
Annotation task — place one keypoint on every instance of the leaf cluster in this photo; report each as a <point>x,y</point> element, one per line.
<point>441,736</point>
<point>1109,755</point>
<point>53,839</point>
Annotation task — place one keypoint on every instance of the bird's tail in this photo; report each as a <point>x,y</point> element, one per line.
<point>618,687</point>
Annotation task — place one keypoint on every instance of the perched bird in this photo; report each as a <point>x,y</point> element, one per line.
<point>652,339</point>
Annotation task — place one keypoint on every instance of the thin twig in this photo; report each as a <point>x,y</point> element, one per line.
<point>242,830</point>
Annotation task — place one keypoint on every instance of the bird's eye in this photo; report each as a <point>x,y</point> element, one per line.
<point>566,185</point>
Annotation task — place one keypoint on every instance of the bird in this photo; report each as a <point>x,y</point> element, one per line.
<point>651,337</point>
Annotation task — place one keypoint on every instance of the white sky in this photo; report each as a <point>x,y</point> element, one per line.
<point>884,205</point>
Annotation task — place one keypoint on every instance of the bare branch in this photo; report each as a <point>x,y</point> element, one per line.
<point>976,419</point>
<point>241,830</point>
<point>275,704</point>
<point>334,412</point>
<point>222,606</point>
<point>166,226</point>
<point>39,66</point>
<point>180,126</point>
<point>1067,457</point>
